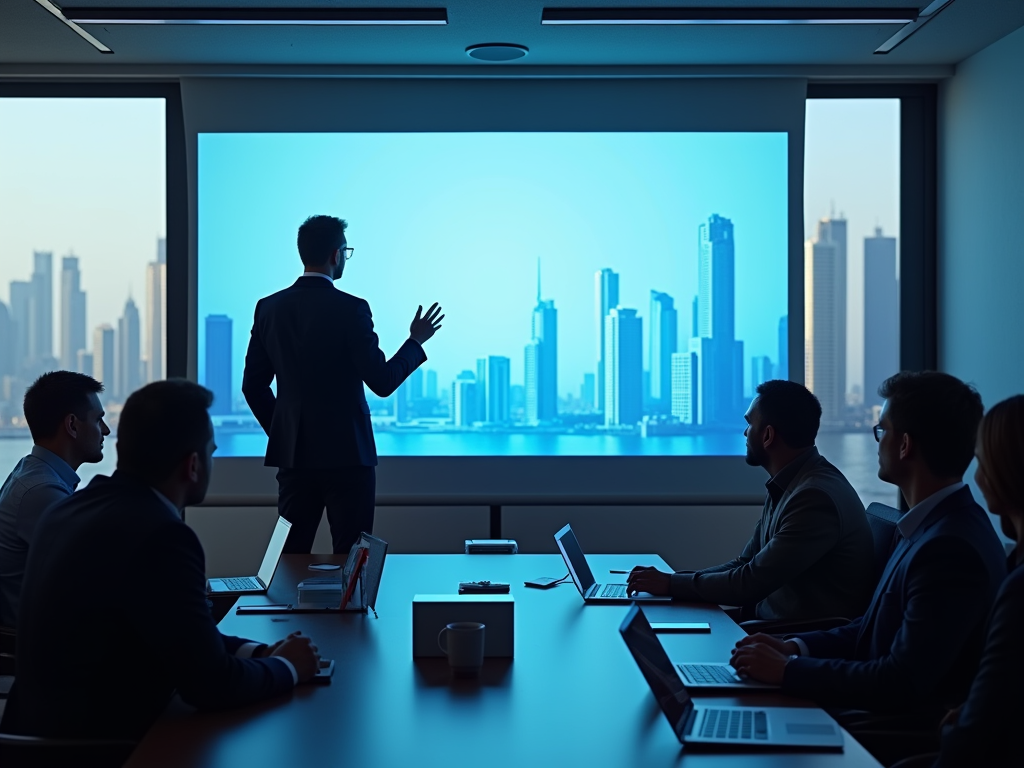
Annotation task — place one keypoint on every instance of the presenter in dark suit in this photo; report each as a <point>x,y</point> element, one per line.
<point>985,730</point>
<point>916,648</point>
<point>320,345</point>
<point>113,617</point>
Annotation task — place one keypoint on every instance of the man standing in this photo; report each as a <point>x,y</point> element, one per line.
<point>65,418</point>
<point>320,345</point>
<point>811,554</point>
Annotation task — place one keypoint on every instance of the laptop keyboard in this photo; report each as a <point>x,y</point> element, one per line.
<point>735,725</point>
<point>613,590</point>
<point>241,583</point>
<point>708,673</point>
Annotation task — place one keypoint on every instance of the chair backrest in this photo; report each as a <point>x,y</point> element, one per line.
<point>35,752</point>
<point>7,641</point>
<point>882,521</point>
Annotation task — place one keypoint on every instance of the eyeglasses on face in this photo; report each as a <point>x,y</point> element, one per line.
<point>877,431</point>
<point>347,253</point>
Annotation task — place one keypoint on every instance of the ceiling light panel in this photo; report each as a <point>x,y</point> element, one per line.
<point>259,16</point>
<point>705,15</point>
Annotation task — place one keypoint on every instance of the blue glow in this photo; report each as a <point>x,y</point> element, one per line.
<point>463,218</point>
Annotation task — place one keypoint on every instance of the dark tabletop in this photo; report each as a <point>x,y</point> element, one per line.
<point>572,696</point>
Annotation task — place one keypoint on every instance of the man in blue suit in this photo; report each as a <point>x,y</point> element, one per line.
<point>916,648</point>
<point>320,345</point>
<point>113,617</point>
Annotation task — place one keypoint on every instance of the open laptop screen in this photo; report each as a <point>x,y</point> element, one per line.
<point>574,559</point>
<point>274,550</point>
<point>657,669</point>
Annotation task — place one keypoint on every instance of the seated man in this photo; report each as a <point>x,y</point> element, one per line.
<point>113,614</point>
<point>65,418</point>
<point>811,553</point>
<point>916,648</point>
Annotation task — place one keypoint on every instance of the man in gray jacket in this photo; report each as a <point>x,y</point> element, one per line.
<point>811,555</point>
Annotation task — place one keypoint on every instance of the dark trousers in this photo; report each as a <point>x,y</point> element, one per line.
<point>348,493</point>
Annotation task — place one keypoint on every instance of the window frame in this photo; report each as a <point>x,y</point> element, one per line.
<point>176,214</point>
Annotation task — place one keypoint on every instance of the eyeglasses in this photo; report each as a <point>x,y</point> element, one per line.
<point>877,431</point>
<point>348,252</point>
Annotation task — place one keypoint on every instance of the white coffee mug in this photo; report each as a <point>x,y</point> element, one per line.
<point>463,643</point>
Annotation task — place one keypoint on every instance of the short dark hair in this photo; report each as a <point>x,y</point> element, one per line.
<point>940,412</point>
<point>319,238</point>
<point>53,396</point>
<point>160,425</point>
<point>791,409</point>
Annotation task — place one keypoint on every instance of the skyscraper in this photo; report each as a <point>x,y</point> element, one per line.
<point>606,296</point>
<point>588,392</point>
<point>498,386</point>
<point>760,372</point>
<point>684,386</point>
<point>72,313</point>
<point>6,342</point>
<point>719,363</point>
<point>623,367</point>
<point>40,327</point>
<point>156,313</point>
<point>664,328</point>
<point>531,387</point>
<point>432,385</point>
<point>825,319</point>
<point>415,385</point>
<point>783,372</point>
<point>218,362</point>
<point>103,354</point>
<point>128,367</point>
<point>545,333</point>
<point>84,363</point>
<point>481,390</point>
<point>464,399</point>
<point>881,314</point>
<point>21,319</point>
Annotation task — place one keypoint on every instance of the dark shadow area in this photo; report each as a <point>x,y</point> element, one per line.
<point>434,673</point>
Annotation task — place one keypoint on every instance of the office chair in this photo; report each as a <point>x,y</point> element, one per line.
<point>7,638</point>
<point>37,752</point>
<point>882,522</point>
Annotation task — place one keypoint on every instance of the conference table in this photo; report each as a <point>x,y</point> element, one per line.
<point>572,695</point>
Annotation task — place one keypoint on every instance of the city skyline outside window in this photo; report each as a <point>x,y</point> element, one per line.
<point>851,275</point>
<point>82,251</point>
<point>604,293</point>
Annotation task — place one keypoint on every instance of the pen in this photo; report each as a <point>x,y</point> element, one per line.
<point>613,571</point>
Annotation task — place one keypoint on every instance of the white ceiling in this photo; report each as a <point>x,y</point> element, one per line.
<point>31,38</point>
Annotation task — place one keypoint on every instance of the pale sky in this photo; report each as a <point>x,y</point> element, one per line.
<point>83,177</point>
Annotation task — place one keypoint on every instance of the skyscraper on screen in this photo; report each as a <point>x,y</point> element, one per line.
<point>881,314</point>
<point>623,367</point>
<point>606,296</point>
<point>498,386</point>
<point>129,369</point>
<point>72,313</point>
<point>464,399</point>
<point>40,328</point>
<point>825,319</point>
<point>542,358</point>
<point>218,362</point>
<point>662,335</point>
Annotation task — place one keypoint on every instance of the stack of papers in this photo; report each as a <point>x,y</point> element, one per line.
<point>321,593</point>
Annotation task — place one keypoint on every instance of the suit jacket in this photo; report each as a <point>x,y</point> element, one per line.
<point>917,646</point>
<point>811,554</point>
<point>114,620</point>
<point>320,345</point>
<point>986,731</point>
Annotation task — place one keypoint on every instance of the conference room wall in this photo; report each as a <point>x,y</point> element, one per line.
<point>235,538</point>
<point>980,199</point>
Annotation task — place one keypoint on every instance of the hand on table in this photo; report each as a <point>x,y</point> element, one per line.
<point>425,326</point>
<point>300,651</point>
<point>644,578</point>
<point>762,657</point>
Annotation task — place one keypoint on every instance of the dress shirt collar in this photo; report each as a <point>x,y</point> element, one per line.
<point>784,477</point>
<point>916,515</point>
<point>328,278</point>
<point>58,465</point>
<point>168,502</point>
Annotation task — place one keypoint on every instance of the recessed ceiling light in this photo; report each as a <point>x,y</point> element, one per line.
<point>728,15</point>
<point>257,16</point>
<point>497,51</point>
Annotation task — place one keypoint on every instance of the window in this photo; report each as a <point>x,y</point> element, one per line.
<point>83,250</point>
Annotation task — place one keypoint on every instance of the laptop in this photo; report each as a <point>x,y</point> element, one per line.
<point>583,577</point>
<point>713,724</point>
<point>258,584</point>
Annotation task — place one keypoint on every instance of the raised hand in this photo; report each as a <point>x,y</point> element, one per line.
<point>425,326</point>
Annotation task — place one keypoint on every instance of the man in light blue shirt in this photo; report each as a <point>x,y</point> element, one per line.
<point>65,417</point>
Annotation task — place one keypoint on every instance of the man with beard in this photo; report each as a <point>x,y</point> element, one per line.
<point>811,554</point>
<point>319,344</point>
